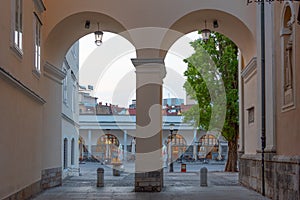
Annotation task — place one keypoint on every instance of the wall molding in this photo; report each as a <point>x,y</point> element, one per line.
<point>18,84</point>
<point>54,73</point>
<point>144,61</point>
<point>71,121</point>
<point>40,5</point>
<point>251,66</point>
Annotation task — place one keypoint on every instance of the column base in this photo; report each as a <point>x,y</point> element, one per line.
<point>149,181</point>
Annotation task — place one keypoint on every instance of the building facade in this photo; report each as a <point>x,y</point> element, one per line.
<point>35,38</point>
<point>70,113</point>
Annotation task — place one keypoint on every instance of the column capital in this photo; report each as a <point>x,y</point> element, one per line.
<point>145,61</point>
<point>150,66</point>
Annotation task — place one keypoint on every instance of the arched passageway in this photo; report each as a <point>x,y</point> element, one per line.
<point>151,45</point>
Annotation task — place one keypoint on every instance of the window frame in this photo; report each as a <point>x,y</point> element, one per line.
<point>37,43</point>
<point>17,29</point>
<point>65,88</point>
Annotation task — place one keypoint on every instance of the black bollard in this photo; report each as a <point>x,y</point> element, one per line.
<point>203,177</point>
<point>100,177</point>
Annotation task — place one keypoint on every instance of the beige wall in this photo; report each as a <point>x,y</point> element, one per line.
<point>250,100</point>
<point>287,122</point>
<point>21,123</point>
<point>22,111</point>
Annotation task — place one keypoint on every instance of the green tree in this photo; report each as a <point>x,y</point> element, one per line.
<point>214,66</point>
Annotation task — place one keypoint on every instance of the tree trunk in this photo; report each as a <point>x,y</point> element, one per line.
<point>231,165</point>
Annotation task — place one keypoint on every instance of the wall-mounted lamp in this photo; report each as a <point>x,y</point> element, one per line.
<point>87,24</point>
<point>205,33</point>
<point>98,36</point>
<point>215,23</point>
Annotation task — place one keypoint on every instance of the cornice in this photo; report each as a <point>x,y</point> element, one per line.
<point>252,65</point>
<point>144,61</point>
<point>40,5</point>
<point>53,72</point>
<point>68,119</point>
<point>18,84</point>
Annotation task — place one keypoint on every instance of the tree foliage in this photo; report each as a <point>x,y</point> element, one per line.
<point>206,76</point>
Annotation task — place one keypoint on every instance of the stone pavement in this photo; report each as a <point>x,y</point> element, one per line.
<point>183,186</point>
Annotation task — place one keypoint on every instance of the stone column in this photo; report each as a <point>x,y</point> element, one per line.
<point>270,84</point>
<point>195,144</point>
<point>125,146</point>
<point>148,163</point>
<point>89,143</point>
<point>241,143</point>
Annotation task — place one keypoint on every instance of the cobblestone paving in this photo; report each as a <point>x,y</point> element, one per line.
<point>177,185</point>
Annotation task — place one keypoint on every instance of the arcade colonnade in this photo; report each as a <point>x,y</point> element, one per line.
<point>33,94</point>
<point>112,138</point>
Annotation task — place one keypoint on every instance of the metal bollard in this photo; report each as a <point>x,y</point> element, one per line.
<point>100,177</point>
<point>117,169</point>
<point>203,177</point>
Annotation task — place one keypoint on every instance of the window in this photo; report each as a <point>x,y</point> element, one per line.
<point>37,44</point>
<point>250,115</point>
<point>65,164</point>
<point>17,26</point>
<point>65,88</point>
<point>74,99</point>
<point>72,151</point>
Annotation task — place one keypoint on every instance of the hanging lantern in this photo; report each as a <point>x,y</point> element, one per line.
<point>98,36</point>
<point>205,33</point>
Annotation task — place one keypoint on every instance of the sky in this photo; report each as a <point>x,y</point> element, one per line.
<point>109,70</point>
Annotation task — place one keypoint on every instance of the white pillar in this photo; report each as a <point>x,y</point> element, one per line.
<point>125,146</point>
<point>195,144</point>
<point>149,162</point>
<point>89,143</point>
<point>241,106</point>
<point>149,80</point>
<point>270,83</point>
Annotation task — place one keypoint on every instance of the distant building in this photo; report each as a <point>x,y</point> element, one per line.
<point>175,106</point>
<point>132,108</point>
<point>87,103</point>
<point>173,101</point>
<point>109,109</point>
<point>171,110</point>
<point>70,115</point>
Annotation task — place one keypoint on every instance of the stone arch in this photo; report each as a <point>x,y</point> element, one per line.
<point>208,146</point>
<point>107,148</point>
<point>177,147</point>
<point>70,29</point>
<point>287,9</point>
<point>241,34</point>
<point>177,139</point>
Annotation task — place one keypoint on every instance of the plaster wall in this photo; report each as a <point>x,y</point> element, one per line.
<point>21,138</point>
<point>287,120</point>
<point>250,101</point>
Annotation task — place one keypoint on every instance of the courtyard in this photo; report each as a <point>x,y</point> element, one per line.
<point>177,185</point>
